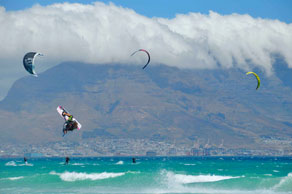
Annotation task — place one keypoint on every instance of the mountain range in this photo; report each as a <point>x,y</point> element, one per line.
<point>160,103</point>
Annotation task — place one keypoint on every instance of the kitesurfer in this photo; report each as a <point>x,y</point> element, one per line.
<point>67,160</point>
<point>134,160</point>
<point>25,160</point>
<point>69,125</point>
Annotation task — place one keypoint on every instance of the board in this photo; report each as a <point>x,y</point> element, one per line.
<point>60,110</point>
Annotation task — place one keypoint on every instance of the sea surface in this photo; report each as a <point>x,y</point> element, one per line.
<point>148,175</point>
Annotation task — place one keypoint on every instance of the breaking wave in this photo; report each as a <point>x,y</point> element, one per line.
<point>26,164</point>
<point>268,174</point>
<point>11,163</point>
<point>190,164</point>
<point>79,176</point>
<point>285,183</point>
<point>77,164</point>
<point>120,162</point>
<point>186,179</point>
<point>13,178</point>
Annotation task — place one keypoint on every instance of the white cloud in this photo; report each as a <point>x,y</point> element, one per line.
<point>236,40</point>
<point>106,33</point>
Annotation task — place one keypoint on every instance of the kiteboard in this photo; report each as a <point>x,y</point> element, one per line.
<point>60,110</point>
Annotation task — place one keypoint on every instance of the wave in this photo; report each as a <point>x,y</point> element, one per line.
<point>190,164</point>
<point>13,178</point>
<point>12,163</point>
<point>186,179</point>
<point>133,172</point>
<point>26,164</point>
<point>120,162</point>
<point>79,176</point>
<point>77,164</point>
<point>285,183</point>
<point>268,174</point>
<point>191,190</point>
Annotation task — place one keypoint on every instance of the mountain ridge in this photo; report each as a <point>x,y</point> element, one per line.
<point>160,103</point>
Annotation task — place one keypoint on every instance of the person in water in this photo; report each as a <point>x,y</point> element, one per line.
<point>69,125</point>
<point>134,160</point>
<point>67,160</point>
<point>25,160</point>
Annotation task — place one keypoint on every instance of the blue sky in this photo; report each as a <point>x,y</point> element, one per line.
<point>268,9</point>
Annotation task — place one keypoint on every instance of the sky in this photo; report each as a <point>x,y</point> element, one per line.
<point>273,9</point>
<point>200,34</point>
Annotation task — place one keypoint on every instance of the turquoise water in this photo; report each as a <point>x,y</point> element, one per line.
<point>148,175</point>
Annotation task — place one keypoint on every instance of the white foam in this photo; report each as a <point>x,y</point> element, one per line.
<point>13,178</point>
<point>11,163</point>
<point>192,190</point>
<point>275,171</point>
<point>77,164</point>
<point>26,164</point>
<point>268,174</point>
<point>79,176</point>
<point>186,179</point>
<point>134,172</point>
<point>287,180</point>
<point>190,164</point>
<point>120,162</point>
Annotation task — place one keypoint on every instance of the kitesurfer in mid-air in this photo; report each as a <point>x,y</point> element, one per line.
<point>69,125</point>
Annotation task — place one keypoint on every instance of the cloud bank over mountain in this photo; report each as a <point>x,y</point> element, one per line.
<point>105,33</point>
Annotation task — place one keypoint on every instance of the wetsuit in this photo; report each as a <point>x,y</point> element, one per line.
<point>67,160</point>
<point>69,124</point>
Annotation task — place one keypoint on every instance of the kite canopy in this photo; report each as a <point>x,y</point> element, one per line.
<point>258,78</point>
<point>28,62</point>
<point>146,53</point>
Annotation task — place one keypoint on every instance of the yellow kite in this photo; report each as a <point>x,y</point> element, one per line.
<point>258,78</point>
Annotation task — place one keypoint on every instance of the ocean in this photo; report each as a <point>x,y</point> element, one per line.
<point>148,175</point>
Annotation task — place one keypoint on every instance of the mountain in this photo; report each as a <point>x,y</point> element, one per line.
<point>160,103</point>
